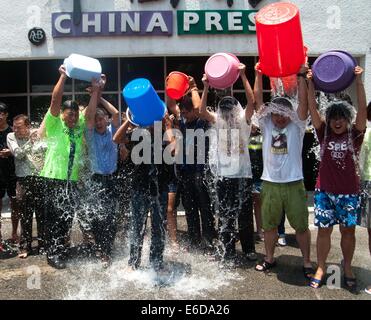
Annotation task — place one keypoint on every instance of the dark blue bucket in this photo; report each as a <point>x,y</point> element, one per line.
<point>144,104</point>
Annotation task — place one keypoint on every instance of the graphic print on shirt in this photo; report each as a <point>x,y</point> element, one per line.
<point>338,151</point>
<point>279,141</point>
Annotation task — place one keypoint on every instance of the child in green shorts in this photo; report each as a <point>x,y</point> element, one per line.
<point>283,190</point>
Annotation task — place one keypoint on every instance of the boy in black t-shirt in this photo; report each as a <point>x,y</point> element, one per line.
<point>7,172</point>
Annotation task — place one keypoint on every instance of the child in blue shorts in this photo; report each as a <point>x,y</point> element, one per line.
<point>337,195</point>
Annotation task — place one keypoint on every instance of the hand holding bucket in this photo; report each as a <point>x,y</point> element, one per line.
<point>177,84</point>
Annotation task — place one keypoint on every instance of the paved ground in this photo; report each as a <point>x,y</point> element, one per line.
<point>190,275</point>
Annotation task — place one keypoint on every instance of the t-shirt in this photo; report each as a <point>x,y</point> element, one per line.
<point>282,150</point>
<point>102,150</point>
<point>337,171</point>
<point>191,146</point>
<point>27,155</point>
<point>229,153</point>
<point>365,158</point>
<point>7,168</point>
<point>146,177</point>
<point>63,155</point>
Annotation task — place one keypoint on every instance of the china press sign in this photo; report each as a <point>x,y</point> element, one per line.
<point>125,23</point>
<point>216,22</point>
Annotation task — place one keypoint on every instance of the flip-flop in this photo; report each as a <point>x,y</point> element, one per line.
<point>350,284</point>
<point>315,283</point>
<point>308,272</point>
<point>265,266</point>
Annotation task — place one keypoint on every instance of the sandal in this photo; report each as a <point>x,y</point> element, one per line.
<point>315,283</point>
<point>308,272</point>
<point>350,284</point>
<point>265,266</point>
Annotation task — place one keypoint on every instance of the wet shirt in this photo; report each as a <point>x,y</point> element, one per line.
<point>147,177</point>
<point>365,158</point>
<point>190,146</point>
<point>282,148</point>
<point>230,152</point>
<point>102,150</point>
<point>337,171</point>
<point>64,147</point>
<point>7,168</point>
<point>27,155</point>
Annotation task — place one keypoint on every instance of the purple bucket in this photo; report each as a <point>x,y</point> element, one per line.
<point>333,71</point>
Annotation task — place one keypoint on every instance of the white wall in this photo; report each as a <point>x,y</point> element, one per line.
<point>353,34</point>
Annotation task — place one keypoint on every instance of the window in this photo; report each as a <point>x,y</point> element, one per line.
<point>192,66</point>
<point>149,68</point>
<point>13,77</point>
<point>44,75</point>
<point>16,105</point>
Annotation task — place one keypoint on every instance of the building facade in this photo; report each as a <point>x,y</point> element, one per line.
<point>137,38</point>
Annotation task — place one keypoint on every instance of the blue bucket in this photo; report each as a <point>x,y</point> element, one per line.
<point>144,104</point>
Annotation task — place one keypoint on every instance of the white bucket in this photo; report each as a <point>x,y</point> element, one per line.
<point>82,67</point>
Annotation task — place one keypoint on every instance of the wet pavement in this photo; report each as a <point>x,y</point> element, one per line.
<point>188,275</point>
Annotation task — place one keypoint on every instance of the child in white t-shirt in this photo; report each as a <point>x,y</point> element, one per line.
<point>230,164</point>
<point>283,130</point>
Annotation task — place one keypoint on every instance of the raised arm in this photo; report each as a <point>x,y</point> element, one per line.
<point>361,118</point>
<point>196,100</point>
<point>204,113</point>
<point>55,104</point>
<point>91,109</point>
<point>312,104</point>
<point>258,87</point>
<point>41,130</point>
<point>120,134</point>
<point>112,111</point>
<point>303,93</point>
<point>249,110</point>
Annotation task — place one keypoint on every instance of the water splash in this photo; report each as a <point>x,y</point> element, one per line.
<point>186,277</point>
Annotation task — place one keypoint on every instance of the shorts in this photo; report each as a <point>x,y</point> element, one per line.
<point>8,186</point>
<point>257,186</point>
<point>173,186</point>
<point>366,204</point>
<point>331,209</point>
<point>289,197</point>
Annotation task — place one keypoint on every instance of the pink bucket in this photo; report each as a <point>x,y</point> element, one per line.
<point>222,70</point>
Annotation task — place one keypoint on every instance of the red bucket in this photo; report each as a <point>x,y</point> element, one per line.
<point>176,85</point>
<point>280,41</point>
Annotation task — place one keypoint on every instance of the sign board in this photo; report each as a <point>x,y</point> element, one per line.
<point>216,21</point>
<point>123,23</point>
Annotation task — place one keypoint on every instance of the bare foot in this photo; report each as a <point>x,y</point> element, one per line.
<point>23,254</point>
